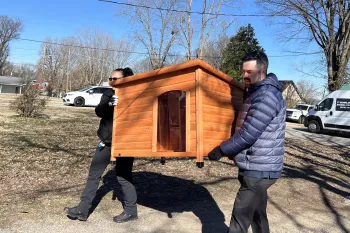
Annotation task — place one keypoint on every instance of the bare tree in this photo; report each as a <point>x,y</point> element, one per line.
<point>86,59</point>
<point>325,22</point>
<point>9,30</point>
<point>214,51</point>
<point>308,91</point>
<point>206,29</point>
<point>52,64</point>
<point>154,27</point>
<point>23,70</point>
<point>99,55</point>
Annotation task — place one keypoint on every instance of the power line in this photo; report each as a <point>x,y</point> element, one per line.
<point>24,49</point>
<point>79,46</point>
<point>144,53</point>
<point>207,13</point>
<point>192,12</point>
<point>296,55</point>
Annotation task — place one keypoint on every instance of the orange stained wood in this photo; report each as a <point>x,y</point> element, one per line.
<point>217,127</point>
<point>188,121</point>
<point>218,111</point>
<point>211,104</point>
<point>133,131</point>
<point>144,153</point>
<point>180,68</point>
<point>159,90</point>
<point>150,85</point>
<point>141,100</point>
<point>216,119</point>
<point>115,113</point>
<point>199,115</point>
<point>155,125</point>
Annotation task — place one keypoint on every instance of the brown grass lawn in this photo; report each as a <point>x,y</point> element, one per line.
<point>44,163</point>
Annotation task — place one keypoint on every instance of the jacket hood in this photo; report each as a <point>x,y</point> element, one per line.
<point>271,79</point>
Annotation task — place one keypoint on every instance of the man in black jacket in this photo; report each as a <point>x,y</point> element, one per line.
<point>101,159</point>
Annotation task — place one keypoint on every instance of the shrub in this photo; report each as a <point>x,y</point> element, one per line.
<point>30,103</point>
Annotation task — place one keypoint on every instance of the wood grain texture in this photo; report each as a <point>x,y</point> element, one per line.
<point>212,98</point>
<point>115,113</point>
<point>221,102</point>
<point>144,153</point>
<point>188,121</point>
<point>155,125</point>
<point>148,86</point>
<point>175,70</point>
<point>199,115</point>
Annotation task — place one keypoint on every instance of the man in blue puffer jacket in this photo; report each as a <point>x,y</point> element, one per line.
<point>257,145</point>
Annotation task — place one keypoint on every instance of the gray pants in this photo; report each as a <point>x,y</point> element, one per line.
<point>98,165</point>
<point>250,206</point>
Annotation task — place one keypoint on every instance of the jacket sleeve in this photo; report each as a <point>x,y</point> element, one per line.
<point>103,110</point>
<point>260,114</point>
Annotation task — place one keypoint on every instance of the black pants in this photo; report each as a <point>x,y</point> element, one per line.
<point>98,165</point>
<point>250,206</point>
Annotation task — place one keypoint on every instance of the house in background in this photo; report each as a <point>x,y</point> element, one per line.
<point>11,85</point>
<point>291,94</point>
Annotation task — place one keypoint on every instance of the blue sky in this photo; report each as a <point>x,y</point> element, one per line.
<point>57,19</point>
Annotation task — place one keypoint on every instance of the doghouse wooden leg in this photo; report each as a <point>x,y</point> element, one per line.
<point>162,160</point>
<point>199,118</point>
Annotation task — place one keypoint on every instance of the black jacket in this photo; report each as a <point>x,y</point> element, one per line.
<point>105,111</point>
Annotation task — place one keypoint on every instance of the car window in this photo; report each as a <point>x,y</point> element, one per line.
<point>94,90</point>
<point>84,89</point>
<point>326,104</point>
<point>100,90</point>
<point>103,89</point>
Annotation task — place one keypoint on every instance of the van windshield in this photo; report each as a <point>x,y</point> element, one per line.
<point>301,107</point>
<point>84,89</point>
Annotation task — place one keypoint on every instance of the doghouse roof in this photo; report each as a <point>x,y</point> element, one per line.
<point>169,69</point>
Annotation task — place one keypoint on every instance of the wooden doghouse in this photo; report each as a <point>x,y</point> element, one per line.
<point>182,110</point>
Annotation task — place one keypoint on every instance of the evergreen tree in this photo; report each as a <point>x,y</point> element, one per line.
<point>240,44</point>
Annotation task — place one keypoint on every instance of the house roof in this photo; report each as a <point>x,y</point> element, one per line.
<point>12,81</point>
<point>285,85</point>
<point>169,69</point>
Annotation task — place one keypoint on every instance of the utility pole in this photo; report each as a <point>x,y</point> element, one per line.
<point>67,87</point>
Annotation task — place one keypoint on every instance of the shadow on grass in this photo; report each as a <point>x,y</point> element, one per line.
<point>169,195</point>
<point>323,170</point>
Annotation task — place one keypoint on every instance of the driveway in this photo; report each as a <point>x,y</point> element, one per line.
<point>298,131</point>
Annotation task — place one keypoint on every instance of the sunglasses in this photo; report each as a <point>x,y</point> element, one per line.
<point>113,78</point>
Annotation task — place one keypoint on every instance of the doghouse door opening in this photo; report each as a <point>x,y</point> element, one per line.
<point>171,133</point>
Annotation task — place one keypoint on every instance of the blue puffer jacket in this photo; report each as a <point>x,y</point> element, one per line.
<point>258,143</point>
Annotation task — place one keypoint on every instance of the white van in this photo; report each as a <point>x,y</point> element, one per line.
<point>332,113</point>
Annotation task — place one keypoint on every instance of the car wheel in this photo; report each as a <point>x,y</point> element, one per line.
<point>79,102</point>
<point>301,120</point>
<point>314,127</point>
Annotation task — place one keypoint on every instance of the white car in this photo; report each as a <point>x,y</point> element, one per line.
<point>89,96</point>
<point>299,113</point>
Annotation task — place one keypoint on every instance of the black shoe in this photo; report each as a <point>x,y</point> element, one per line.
<point>74,213</point>
<point>123,217</point>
